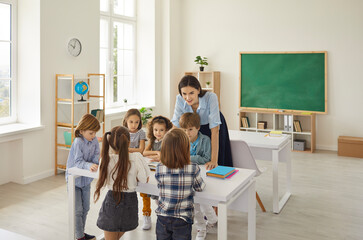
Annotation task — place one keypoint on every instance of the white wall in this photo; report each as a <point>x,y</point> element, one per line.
<point>45,26</point>
<point>221,29</point>
<point>184,29</point>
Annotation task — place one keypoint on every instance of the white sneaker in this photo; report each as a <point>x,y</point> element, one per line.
<point>201,234</point>
<point>147,223</point>
<point>212,227</point>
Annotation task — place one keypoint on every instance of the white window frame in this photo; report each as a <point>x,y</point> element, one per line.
<point>111,17</point>
<point>13,63</point>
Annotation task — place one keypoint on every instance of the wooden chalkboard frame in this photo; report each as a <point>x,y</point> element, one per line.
<point>284,110</point>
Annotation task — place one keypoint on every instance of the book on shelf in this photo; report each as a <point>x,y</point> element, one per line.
<point>297,126</point>
<point>98,113</point>
<point>221,171</point>
<point>245,122</point>
<point>286,126</point>
<point>288,123</point>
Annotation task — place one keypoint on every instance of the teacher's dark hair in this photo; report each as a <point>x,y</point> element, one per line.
<point>191,81</point>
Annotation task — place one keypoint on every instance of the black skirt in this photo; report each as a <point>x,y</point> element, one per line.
<point>224,152</point>
<point>120,217</point>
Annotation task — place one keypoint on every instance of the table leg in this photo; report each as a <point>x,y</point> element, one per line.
<point>71,206</point>
<point>251,212</point>
<point>288,173</point>
<point>279,204</point>
<point>222,221</point>
<point>275,181</point>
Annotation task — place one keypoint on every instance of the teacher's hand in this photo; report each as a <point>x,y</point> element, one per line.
<point>210,165</point>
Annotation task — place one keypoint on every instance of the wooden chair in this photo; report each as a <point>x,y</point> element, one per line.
<point>242,158</point>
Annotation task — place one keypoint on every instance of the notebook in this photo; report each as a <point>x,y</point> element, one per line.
<point>221,171</point>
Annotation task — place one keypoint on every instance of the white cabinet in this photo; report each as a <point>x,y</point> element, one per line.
<point>275,122</point>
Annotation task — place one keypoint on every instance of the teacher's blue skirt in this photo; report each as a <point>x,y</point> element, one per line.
<point>224,153</point>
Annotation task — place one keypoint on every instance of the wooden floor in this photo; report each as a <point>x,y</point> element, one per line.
<point>327,204</point>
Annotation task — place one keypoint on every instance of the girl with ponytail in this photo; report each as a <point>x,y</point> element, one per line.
<point>119,172</point>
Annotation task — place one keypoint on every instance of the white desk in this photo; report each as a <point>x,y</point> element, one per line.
<point>275,149</point>
<point>237,193</point>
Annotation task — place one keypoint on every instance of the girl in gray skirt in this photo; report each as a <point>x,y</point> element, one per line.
<point>119,171</point>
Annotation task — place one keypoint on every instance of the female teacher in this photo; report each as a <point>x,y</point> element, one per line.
<point>193,99</point>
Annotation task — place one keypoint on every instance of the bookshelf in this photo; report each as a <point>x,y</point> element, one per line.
<point>275,122</point>
<point>212,77</point>
<point>68,110</point>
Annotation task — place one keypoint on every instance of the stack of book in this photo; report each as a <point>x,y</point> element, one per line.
<point>221,172</point>
<point>297,126</point>
<point>98,113</point>
<point>152,165</point>
<point>245,122</point>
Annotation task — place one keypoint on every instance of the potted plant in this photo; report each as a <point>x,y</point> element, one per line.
<point>207,84</point>
<point>202,61</point>
<point>145,114</point>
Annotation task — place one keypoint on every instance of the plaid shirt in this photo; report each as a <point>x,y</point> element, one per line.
<point>177,188</point>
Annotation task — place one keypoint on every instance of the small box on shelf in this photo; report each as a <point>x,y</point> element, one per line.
<point>299,145</point>
<point>261,125</point>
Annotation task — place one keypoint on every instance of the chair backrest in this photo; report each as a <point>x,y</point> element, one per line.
<point>242,156</point>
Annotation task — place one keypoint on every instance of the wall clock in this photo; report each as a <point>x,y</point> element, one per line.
<point>74,47</point>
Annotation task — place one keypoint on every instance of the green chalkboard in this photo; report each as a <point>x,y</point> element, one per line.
<point>284,81</point>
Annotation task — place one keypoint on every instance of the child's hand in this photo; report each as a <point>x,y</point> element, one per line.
<point>154,158</point>
<point>93,168</point>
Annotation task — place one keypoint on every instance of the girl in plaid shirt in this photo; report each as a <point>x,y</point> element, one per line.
<point>177,179</point>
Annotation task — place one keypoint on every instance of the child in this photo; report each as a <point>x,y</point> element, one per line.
<point>200,151</point>
<point>200,145</point>
<point>84,154</point>
<point>157,128</point>
<point>177,180</point>
<point>120,171</point>
<point>132,121</point>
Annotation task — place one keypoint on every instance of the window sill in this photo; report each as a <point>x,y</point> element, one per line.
<point>112,112</point>
<point>18,128</point>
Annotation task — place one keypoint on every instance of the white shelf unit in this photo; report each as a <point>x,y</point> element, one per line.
<point>68,109</point>
<point>275,122</point>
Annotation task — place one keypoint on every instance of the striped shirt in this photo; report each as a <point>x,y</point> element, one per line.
<point>136,137</point>
<point>176,190</point>
<point>83,154</point>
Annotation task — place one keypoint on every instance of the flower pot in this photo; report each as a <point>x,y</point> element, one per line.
<point>201,69</point>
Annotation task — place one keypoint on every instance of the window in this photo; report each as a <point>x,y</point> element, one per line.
<point>7,61</point>
<point>118,50</point>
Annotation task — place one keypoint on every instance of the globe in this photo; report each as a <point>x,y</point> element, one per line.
<point>81,88</point>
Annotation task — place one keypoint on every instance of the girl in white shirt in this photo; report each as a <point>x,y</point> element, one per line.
<point>119,171</point>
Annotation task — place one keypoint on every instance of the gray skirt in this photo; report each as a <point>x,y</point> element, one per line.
<point>120,217</point>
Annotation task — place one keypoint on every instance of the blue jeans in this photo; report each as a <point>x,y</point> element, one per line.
<point>170,228</point>
<point>82,198</point>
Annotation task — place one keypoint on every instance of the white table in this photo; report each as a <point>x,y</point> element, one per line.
<point>237,193</point>
<point>275,149</point>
